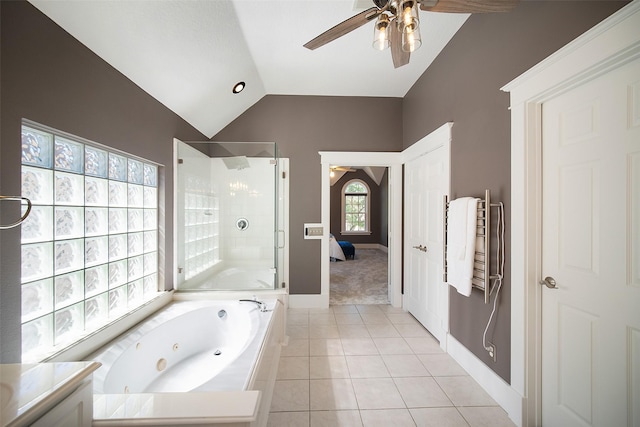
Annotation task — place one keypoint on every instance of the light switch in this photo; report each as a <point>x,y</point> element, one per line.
<point>313,231</point>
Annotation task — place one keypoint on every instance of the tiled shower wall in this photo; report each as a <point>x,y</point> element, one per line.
<point>249,194</point>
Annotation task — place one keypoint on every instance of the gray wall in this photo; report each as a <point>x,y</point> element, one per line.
<point>463,86</point>
<point>302,126</point>
<point>49,77</point>
<point>375,206</point>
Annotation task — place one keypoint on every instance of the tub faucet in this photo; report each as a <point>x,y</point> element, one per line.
<point>262,305</point>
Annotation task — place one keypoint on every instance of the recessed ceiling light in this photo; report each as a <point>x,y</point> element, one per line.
<point>238,87</point>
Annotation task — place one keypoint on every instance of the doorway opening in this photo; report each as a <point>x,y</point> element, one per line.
<point>391,164</point>
<point>359,241</point>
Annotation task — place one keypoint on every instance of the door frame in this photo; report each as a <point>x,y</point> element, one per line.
<point>393,162</point>
<point>607,46</point>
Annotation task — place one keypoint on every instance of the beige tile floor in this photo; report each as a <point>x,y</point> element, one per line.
<point>372,365</point>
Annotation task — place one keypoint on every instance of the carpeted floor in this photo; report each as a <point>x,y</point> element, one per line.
<point>363,280</point>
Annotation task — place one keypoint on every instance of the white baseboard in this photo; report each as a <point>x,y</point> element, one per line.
<point>371,246</point>
<point>508,398</point>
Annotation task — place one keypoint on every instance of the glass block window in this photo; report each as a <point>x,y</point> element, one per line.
<point>90,245</point>
<point>355,206</point>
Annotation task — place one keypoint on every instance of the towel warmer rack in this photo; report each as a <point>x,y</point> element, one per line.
<point>482,258</point>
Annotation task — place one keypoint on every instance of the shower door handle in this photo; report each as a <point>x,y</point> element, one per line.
<point>278,243</point>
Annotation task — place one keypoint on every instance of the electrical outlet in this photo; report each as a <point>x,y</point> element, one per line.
<point>492,352</point>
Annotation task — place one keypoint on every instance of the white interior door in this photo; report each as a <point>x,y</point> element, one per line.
<point>426,182</point>
<point>415,237</point>
<point>591,248</point>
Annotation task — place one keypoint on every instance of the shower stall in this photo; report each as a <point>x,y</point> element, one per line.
<point>231,217</point>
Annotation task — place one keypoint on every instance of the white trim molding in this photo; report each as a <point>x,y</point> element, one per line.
<point>611,44</point>
<point>384,159</point>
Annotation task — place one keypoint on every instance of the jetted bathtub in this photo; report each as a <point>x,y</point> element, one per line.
<point>186,357</point>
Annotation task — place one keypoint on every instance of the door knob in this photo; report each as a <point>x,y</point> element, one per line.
<point>549,282</point>
<point>421,248</point>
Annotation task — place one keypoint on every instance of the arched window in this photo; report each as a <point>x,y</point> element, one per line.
<point>355,207</point>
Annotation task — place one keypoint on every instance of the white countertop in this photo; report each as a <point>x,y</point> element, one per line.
<point>27,391</point>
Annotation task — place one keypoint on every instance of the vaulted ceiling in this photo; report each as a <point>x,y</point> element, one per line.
<point>188,54</point>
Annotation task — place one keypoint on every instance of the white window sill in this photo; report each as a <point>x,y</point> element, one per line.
<point>355,233</point>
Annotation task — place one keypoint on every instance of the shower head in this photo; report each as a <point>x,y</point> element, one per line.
<point>238,162</point>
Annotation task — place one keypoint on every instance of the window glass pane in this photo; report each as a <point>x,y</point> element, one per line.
<point>96,251</point>
<point>135,244</point>
<point>135,268</point>
<point>95,162</point>
<point>69,189</point>
<point>37,299</point>
<point>150,241</point>
<point>69,255</point>
<point>118,194</point>
<point>38,226</point>
<point>117,167</point>
<point>150,197</point>
<point>135,197</point>
<point>150,175</point>
<point>96,221</point>
<point>96,280</point>
<point>96,191</point>
<point>135,220</point>
<point>37,261</point>
<point>37,185</point>
<point>69,289</point>
<point>117,301</point>
<point>356,187</point>
<point>117,273</point>
<point>150,284</point>
<point>37,336</point>
<point>135,173</point>
<point>69,322</point>
<point>36,147</point>
<point>97,310</point>
<point>135,292</point>
<point>69,222</point>
<point>150,263</point>
<point>117,247</point>
<point>117,220</point>
<point>150,219</point>
<point>69,155</point>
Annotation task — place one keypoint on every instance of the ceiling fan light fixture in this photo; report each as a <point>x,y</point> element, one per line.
<point>411,39</point>
<point>409,25</point>
<point>381,32</point>
<point>409,14</point>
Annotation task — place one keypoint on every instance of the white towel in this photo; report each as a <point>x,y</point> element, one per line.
<point>461,243</point>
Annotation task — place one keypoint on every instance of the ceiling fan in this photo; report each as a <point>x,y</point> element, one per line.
<point>398,25</point>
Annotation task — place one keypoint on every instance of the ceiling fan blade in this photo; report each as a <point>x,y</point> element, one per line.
<point>467,6</point>
<point>343,28</point>
<point>399,56</point>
